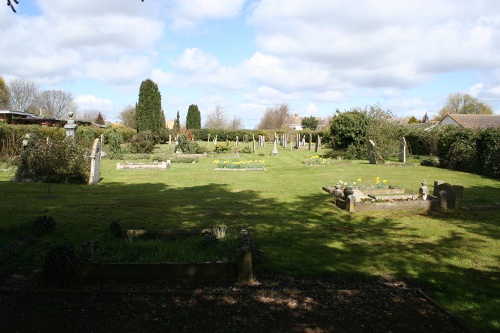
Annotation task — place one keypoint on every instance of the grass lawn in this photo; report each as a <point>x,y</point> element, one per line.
<point>453,255</point>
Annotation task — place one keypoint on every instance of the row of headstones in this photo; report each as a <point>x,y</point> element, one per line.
<point>373,155</point>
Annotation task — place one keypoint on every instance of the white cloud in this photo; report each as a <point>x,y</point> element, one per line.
<point>188,14</point>
<point>311,109</point>
<point>120,71</point>
<point>91,102</point>
<point>330,96</point>
<point>373,44</point>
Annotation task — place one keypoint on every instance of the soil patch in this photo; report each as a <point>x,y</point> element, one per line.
<point>273,304</point>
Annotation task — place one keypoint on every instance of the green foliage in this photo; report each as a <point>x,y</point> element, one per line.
<point>488,152</point>
<point>310,122</point>
<point>464,104</point>
<point>149,115</point>
<point>177,124</point>
<point>193,118</point>
<point>349,130</point>
<point>222,148</point>
<point>457,149</point>
<point>188,146</point>
<point>115,140</point>
<point>142,143</point>
<point>4,95</point>
<point>54,161</point>
<point>413,120</point>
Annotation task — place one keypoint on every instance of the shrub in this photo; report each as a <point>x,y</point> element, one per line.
<point>188,146</point>
<point>142,143</point>
<point>488,152</point>
<point>54,161</point>
<point>62,266</point>
<point>457,149</point>
<point>115,139</point>
<point>222,148</point>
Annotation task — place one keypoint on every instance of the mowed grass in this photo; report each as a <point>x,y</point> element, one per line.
<point>452,255</point>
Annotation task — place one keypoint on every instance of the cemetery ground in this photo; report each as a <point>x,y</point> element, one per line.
<point>309,250</point>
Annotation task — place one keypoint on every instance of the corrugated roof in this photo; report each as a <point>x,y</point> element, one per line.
<point>475,121</point>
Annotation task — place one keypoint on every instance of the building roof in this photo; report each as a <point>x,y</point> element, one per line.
<point>471,121</point>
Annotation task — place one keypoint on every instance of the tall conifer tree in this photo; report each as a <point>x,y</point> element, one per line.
<point>193,118</point>
<point>149,115</point>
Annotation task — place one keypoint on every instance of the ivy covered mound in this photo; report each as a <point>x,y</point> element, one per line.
<point>273,304</point>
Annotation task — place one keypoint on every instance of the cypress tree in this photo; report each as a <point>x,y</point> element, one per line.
<point>193,118</point>
<point>149,115</point>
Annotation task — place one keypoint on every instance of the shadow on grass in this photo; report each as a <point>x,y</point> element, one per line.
<point>307,237</point>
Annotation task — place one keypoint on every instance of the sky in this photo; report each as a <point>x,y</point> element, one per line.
<point>317,56</point>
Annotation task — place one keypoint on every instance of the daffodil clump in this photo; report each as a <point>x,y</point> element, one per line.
<point>317,160</point>
<point>246,164</point>
<point>379,184</point>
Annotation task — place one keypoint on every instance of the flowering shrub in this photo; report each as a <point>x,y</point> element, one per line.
<point>225,164</point>
<point>317,160</point>
<point>379,184</point>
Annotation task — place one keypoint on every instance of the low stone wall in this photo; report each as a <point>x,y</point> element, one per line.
<point>157,165</point>
<point>240,271</point>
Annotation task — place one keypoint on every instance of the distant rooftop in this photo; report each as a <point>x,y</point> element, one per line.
<point>471,121</point>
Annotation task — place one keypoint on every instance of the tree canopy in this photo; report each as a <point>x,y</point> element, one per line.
<point>464,104</point>
<point>149,115</point>
<point>217,119</point>
<point>4,95</point>
<point>193,118</point>
<point>310,122</point>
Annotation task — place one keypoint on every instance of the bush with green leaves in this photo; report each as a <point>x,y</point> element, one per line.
<point>54,161</point>
<point>142,143</point>
<point>457,149</point>
<point>488,152</point>
<point>189,146</point>
<point>62,266</point>
<point>115,140</point>
<point>222,148</point>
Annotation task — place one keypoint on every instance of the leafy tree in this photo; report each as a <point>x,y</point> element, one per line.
<point>217,119</point>
<point>100,119</point>
<point>193,118</point>
<point>464,104</point>
<point>310,122</point>
<point>275,118</point>
<point>127,116</point>
<point>149,115</point>
<point>349,128</point>
<point>56,103</point>
<point>23,94</point>
<point>413,120</point>
<point>4,95</point>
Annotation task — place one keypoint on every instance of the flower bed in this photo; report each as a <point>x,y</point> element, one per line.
<point>240,165</point>
<point>318,161</point>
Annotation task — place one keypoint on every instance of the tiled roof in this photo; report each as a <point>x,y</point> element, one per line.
<point>475,121</point>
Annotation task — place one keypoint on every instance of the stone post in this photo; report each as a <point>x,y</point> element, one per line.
<point>237,141</point>
<point>423,191</point>
<point>443,200</point>
<point>402,150</point>
<point>310,140</point>
<point>244,266</point>
<point>275,149</point>
<point>372,153</point>
<point>350,203</point>
<point>70,126</point>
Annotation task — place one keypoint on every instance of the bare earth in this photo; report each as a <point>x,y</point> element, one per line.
<point>273,304</point>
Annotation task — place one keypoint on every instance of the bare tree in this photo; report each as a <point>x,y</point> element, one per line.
<point>127,116</point>
<point>217,119</point>
<point>56,103</point>
<point>277,117</point>
<point>90,115</point>
<point>235,124</point>
<point>23,94</point>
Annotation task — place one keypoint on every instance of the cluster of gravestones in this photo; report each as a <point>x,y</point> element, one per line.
<point>374,157</point>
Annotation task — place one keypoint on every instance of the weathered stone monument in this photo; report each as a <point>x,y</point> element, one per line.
<point>403,149</point>
<point>423,191</point>
<point>95,163</point>
<point>275,149</point>
<point>318,144</point>
<point>372,152</point>
<point>70,126</point>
